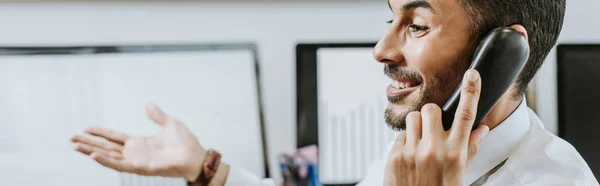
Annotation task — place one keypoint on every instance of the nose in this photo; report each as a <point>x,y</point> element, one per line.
<point>388,50</point>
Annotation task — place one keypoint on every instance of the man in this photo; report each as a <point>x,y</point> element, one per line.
<point>426,52</point>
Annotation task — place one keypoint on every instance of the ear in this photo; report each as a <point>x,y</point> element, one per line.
<point>519,28</point>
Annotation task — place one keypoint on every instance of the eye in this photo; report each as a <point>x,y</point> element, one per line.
<point>390,21</point>
<point>418,30</point>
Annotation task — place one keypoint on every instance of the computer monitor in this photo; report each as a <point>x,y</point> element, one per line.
<point>578,71</point>
<point>48,94</point>
<point>340,107</point>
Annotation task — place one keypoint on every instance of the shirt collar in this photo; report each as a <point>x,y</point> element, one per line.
<point>499,143</point>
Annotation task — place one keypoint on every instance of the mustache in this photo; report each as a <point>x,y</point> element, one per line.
<point>396,72</point>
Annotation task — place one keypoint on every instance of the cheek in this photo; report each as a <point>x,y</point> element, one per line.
<point>413,52</point>
<point>424,56</point>
<point>418,56</point>
<point>439,55</point>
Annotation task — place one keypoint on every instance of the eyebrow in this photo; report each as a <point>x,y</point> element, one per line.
<point>414,4</point>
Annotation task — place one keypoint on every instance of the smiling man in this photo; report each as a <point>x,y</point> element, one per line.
<point>426,52</point>
<point>428,47</point>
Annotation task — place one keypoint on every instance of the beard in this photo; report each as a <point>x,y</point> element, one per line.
<point>438,89</point>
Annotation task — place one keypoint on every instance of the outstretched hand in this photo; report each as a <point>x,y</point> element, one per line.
<point>172,152</point>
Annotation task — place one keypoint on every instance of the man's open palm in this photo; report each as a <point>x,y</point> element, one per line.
<point>172,152</point>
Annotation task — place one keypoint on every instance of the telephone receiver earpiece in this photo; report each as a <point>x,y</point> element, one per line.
<point>499,59</point>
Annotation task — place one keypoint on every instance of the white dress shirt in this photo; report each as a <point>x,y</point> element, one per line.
<point>519,151</point>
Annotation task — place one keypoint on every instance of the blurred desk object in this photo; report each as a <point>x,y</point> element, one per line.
<point>300,168</point>
<point>50,93</point>
<point>341,103</point>
<point>579,100</point>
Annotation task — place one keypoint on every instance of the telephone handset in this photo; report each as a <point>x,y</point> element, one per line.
<point>499,59</point>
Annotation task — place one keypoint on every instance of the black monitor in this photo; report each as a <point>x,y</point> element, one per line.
<point>578,72</point>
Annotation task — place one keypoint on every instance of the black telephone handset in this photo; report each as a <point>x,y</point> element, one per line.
<point>499,59</point>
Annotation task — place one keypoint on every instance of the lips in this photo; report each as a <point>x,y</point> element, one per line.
<point>402,88</point>
<point>401,84</point>
<point>404,81</point>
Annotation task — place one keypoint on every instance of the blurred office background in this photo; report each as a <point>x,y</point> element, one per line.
<point>266,32</point>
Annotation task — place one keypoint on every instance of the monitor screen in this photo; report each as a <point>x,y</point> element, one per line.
<point>341,104</point>
<point>48,95</point>
<point>579,99</point>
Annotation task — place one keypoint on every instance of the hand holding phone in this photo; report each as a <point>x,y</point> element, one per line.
<point>427,155</point>
<point>499,59</point>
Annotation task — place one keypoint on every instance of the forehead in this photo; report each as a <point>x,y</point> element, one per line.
<point>441,7</point>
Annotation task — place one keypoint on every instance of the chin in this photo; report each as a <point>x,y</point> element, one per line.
<point>396,119</point>
<point>398,109</point>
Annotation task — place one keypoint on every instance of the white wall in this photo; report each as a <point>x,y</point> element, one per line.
<point>276,28</point>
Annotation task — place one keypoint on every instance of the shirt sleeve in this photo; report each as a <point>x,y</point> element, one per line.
<point>376,169</point>
<point>240,177</point>
<point>374,174</point>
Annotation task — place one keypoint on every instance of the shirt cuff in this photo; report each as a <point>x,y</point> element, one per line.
<point>240,177</point>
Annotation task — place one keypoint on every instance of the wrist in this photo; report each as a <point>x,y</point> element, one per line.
<point>211,171</point>
<point>220,177</point>
<point>194,166</point>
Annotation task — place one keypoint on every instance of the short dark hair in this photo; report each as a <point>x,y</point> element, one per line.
<point>543,20</point>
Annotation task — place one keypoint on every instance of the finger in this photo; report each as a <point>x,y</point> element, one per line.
<point>88,150</point>
<point>109,145</point>
<point>476,137</point>
<point>413,129</point>
<point>467,108</point>
<point>395,158</point>
<point>110,135</point>
<point>84,148</point>
<point>116,164</point>
<point>156,114</point>
<point>400,141</point>
<point>431,115</point>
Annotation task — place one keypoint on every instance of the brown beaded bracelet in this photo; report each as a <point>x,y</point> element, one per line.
<point>212,160</point>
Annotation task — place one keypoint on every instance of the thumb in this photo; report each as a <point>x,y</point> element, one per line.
<point>156,114</point>
<point>475,139</point>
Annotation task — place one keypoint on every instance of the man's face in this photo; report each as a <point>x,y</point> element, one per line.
<point>425,51</point>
